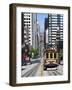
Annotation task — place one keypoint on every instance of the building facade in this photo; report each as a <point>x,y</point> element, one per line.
<point>26,29</point>
<point>41,43</point>
<point>26,34</point>
<point>53,23</point>
<point>46,33</point>
<point>30,31</point>
<point>34,29</point>
<point>35,32</point>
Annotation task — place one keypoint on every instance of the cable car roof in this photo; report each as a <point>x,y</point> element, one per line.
<point>50,50</point>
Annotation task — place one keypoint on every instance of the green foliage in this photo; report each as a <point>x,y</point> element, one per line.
<point>33,53</point>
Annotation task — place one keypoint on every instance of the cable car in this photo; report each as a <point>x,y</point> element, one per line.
<point>50,58</point>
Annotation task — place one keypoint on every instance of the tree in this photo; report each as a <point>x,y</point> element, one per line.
<point>33,53</point>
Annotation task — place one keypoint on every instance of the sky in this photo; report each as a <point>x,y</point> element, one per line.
<point>41,19</point>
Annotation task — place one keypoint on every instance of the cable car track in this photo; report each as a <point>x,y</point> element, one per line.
<point>53,72</point>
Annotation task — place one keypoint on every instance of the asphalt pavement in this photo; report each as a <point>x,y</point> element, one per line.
<point>36,69</point>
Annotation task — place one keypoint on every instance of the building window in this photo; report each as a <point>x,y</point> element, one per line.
<point>29,22</point>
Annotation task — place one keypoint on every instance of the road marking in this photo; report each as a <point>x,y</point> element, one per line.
<point>50,73</point>
<point>54,73</point>
<point>34,71</point>
<point>58,72</point>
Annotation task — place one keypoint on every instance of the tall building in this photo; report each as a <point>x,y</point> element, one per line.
<point>26,29</point>
<point>46,33</point>
<point>34,29</point>
<point>41,42</point>
<point>30,30</point>
<point>38,36</point>
<point>53,23</point>
<point>26,34</point>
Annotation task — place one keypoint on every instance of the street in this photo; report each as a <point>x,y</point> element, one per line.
<point>30,69</point>
<point>54,71</point>
<point>36,69</point>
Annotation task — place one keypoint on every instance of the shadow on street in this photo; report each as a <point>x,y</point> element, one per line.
<point>35,61</point>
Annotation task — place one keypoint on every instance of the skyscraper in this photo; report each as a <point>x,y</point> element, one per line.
<point>26,33</point>
<point>30,30</point>
<point>34,29</point>
<point>26,29</point>
<point>46,33</point>
<point>53,23</point>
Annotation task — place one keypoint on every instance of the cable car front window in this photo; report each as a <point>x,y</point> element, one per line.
<point>54,55</point>
<point>46,55</point>
<point>50,55</point>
